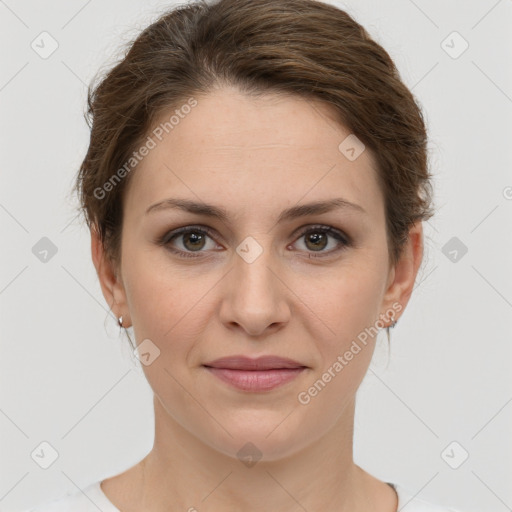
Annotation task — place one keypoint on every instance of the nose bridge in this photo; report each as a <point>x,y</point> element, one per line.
<point>254,268</point>
<point>256,297</point>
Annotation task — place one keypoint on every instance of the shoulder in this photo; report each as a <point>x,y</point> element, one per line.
<point>90,499</point>
<point>408,503</point>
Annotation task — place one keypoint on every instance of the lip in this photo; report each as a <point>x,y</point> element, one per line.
<point>261,374</point>
<point>240,362</point>
<point>256,380</point>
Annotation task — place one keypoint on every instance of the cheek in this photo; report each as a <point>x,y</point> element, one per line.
<point>344,303</point>
<point>349,306</point>
<point>167,303</point>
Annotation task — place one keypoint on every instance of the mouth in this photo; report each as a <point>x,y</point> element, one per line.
<point>240,362</point>
<point>255,375</point>
<point>256,380</point>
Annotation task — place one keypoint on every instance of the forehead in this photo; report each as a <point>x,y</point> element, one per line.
<point>245,150</point>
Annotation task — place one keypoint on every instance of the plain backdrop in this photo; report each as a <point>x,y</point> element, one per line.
<point>68,379</point>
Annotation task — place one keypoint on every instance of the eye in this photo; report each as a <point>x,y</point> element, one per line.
<point>192,239</point>
<point>316,239</point>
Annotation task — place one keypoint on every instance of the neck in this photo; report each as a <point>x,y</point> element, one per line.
<point>184,473</point>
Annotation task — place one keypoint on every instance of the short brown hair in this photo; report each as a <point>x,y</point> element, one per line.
<point>300,47</point>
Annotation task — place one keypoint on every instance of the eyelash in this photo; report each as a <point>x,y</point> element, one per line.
<point>344,240</point>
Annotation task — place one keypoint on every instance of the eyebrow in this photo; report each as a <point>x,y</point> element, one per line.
<point>220,213</point>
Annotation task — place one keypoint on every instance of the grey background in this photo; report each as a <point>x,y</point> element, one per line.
<point>67,378</point>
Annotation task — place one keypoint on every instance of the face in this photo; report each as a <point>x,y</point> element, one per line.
<point>271,277</point>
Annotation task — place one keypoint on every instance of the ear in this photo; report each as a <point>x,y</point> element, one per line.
<point>110,280</point>
<point>402,276</point>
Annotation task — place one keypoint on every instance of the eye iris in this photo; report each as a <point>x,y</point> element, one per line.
<point>194,238</point>
<point>315,238</point>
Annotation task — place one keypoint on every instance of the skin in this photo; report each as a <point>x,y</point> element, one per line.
<point>255,157</point>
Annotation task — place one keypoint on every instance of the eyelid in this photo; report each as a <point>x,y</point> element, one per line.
<point>169,235</point>
<point>210,231</point>
<point>326,228</point>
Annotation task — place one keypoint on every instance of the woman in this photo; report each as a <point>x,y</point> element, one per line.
<point>255,187</point>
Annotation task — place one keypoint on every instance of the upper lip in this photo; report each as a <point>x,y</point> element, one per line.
<point>259,363</point>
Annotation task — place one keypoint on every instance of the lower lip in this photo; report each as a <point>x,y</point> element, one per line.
<point>256,380</point>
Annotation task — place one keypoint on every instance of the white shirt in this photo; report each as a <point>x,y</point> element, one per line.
<point>92,499</point>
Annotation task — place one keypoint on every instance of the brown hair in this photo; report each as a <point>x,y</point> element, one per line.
<point>300,47</point>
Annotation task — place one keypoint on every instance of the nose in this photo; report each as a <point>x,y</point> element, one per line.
<point>255,299</point>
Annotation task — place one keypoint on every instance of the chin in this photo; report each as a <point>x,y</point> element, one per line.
<point>263,440</point>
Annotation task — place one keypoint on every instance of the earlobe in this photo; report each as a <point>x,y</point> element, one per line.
<point>403,274</point>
